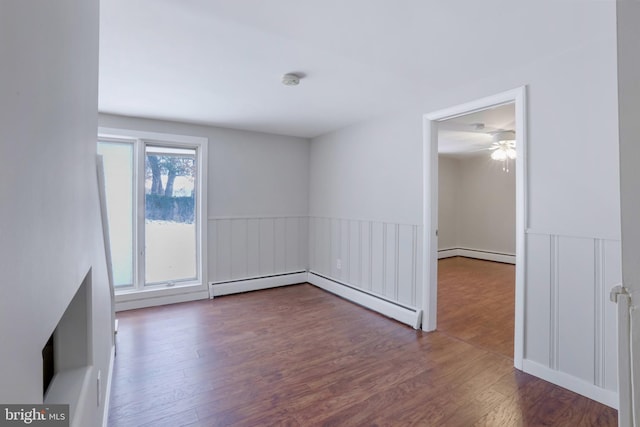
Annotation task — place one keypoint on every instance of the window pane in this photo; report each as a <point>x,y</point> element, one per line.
<point>170,222</point>
<point>118,171</point>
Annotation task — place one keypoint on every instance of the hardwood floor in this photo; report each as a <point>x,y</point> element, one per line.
<point>298,356</point>
<point>476,302</point>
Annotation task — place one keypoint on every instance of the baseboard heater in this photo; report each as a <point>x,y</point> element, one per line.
<point>407,315</point>
<point>256,283</point>
<point>477,254</point>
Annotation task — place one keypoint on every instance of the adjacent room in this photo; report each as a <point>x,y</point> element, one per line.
<point>476,228</point>
<point>249,213</point>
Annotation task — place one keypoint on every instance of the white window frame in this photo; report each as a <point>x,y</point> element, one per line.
<point>140,295</point>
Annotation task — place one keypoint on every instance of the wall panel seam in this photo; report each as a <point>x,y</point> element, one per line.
<point>397,262</point>
<point>286,226</point>
<point>599,327</point>
<point>260,247</point>
<point>370,256</point>
<point>360,253</point>
<point>228,225</point>
<point>554,327</point>
<point>246,226</point>
<point>414,255</point>
<point>384,258</point>
<point>348,254</point>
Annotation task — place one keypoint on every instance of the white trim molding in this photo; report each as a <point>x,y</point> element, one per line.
<point>152,299</point>
<point>430,207</point>
<point>570,322</point>
<point>107,393</point>
<point>140,295</point>
<point>575,384</point>
<point>406,315</point>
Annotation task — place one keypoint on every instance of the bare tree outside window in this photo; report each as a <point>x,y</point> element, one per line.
<point>170,214</point>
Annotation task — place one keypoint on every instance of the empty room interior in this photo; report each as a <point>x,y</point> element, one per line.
<point>250,213</point>
<point>476,228</point>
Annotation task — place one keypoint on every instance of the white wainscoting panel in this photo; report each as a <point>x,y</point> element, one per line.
<point>570,323</point>
<point>239,247</point>
<point>355,262</point>
<point>538,300</point>
<point>612,273</point>
<point>256,247</point>
<point>267,245</point>
<point>253,248</point>
<point>576,321</point>
<point>379,258</point>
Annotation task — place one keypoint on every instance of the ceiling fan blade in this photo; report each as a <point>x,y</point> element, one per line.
<point>477,150</point>
<point>471,127</point>
<point>461,127</point>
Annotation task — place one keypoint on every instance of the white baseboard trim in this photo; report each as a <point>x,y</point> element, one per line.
<point>247,285</point>
<point>161,300</point>
<point>477,254</point>
<point>577,385</point>
<point>106,400</point>
<point>447,253</point>
<point>402,314</point>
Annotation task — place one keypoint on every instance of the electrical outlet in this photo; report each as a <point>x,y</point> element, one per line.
<point>339,264</point>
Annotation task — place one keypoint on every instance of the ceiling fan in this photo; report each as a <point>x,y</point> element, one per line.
<point>503,147</point>
<point>476,127</point>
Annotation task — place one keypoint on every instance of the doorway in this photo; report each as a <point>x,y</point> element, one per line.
<point>432,123</point>
<point>476,228</point>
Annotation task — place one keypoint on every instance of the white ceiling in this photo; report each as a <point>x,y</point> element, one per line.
<point>219,62</point>
<point>472,134</point>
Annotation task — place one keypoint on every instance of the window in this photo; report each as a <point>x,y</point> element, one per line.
<point>169,227</point>
<point>119,189</point>
<point>155,190</point>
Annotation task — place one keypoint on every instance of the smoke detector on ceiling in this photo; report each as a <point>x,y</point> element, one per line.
<point>291,79</point>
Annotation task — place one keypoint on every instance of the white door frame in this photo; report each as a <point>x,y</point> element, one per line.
<point>430,207</point>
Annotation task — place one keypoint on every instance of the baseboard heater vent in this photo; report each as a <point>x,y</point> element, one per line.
<point>477,254</point>
<point>256,283</point>
<point>407,315</point>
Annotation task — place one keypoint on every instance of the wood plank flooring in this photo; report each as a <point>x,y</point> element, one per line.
<point>298,356</point>
<point>476,302</point>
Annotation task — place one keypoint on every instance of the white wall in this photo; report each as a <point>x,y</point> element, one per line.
<point>49,216</point>
<point>365,200</point>
<point>257,198</point>
<point>448,209</point>
<point>374,171</point>
<point>369,172</point>
<point>487,206</point>
<point>476,205</point>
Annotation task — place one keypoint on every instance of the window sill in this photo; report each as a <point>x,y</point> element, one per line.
<point>160,295</point>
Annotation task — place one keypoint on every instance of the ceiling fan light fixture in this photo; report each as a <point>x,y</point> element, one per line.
<point>504,148</point>
<point>499,154</point>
